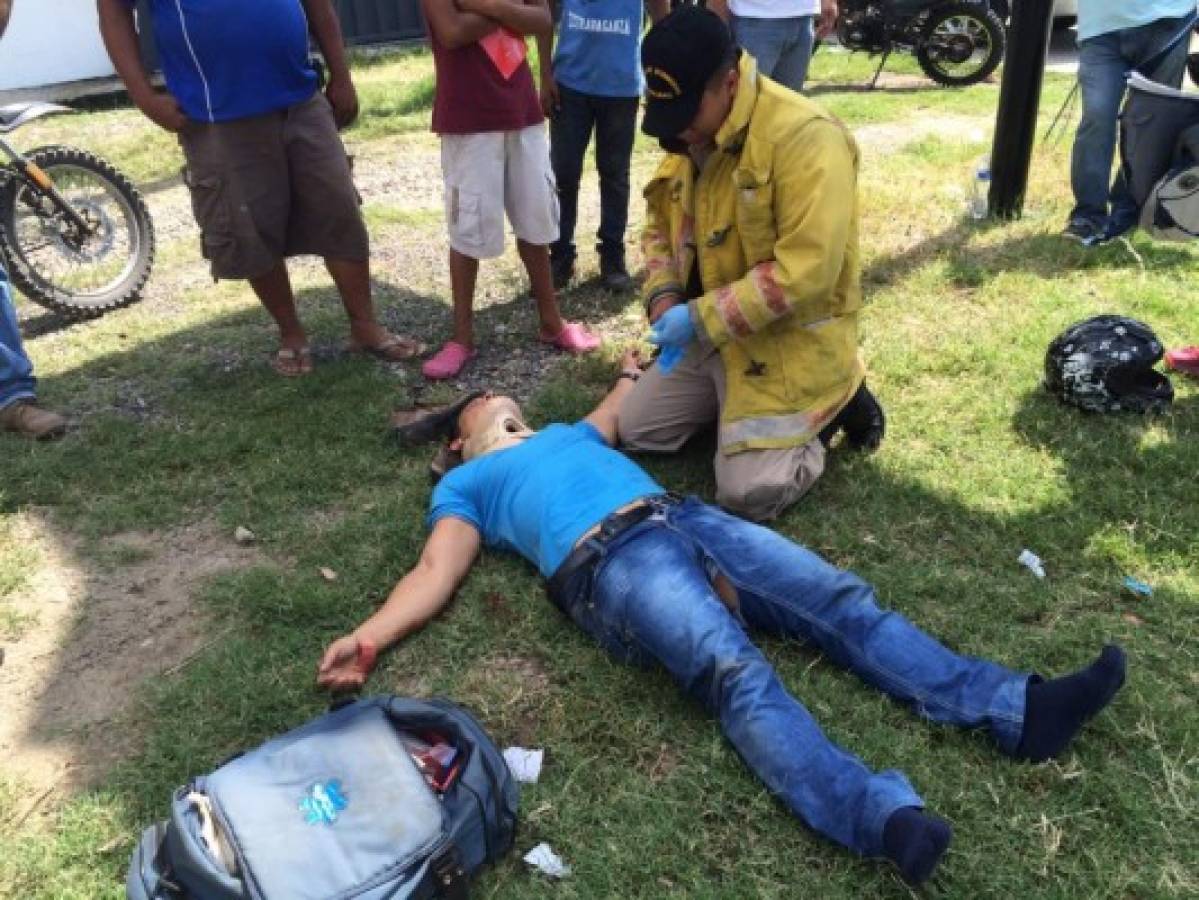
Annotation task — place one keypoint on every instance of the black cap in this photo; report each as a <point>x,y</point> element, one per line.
<point>679,55</point>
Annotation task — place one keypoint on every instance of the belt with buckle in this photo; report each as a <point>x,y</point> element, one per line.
<point>589,549</point>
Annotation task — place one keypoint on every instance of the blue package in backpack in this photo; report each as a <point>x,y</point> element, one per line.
<point>342,807</point>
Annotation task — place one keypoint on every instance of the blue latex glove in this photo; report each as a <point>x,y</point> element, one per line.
<point>673,329</point>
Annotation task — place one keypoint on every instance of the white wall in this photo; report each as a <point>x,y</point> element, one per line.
<point>51,41</point>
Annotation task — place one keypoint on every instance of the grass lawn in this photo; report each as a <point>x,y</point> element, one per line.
<point>181,434</point>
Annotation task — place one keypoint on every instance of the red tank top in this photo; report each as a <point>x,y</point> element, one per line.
<point>472,96</point>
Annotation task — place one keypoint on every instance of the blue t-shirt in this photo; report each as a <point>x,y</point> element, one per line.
<point>540,496</point>
<point>599,47</point>
<point>230,59</point>
<point>1096,17</point>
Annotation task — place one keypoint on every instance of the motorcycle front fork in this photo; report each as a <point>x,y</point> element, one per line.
<point>37,177</point>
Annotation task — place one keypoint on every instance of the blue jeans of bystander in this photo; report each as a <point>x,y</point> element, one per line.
<point>782,48</point>
<point>650,599</point>
<point>614,121</point>
<point>1104,64</point>
<point>16,371</point>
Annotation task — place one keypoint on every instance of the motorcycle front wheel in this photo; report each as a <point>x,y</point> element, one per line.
<point>962,44</point>
<point>81,273</point>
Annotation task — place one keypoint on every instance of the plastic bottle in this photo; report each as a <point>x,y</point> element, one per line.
<point>980,189</point>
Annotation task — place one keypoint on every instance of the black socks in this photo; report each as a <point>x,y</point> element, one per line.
<point>1056,710</point>
<point>915,842</point>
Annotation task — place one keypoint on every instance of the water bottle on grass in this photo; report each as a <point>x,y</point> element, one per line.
<point>980,188</point>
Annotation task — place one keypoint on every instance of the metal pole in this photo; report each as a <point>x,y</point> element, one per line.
<point>1019,97</point>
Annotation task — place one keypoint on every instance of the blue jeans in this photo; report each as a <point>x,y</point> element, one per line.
<point>614,120</point>
<point>16,371</point>
<point>782,48</point>
<point>1104,63</point>
<point>650,599</point>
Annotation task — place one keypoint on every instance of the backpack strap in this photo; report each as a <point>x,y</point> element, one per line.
<point>1146,68</point>
<point>150,872</point>
<point>447,879</point>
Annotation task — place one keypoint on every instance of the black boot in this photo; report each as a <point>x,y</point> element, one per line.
<point>613,274</point>
<point>861,419</point>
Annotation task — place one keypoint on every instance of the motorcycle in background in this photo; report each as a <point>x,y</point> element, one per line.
<point>956,42</point>
<point>75,234</point>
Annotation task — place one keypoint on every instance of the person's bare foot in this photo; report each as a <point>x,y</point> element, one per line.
<point>292,362</point>
<point>377,341</point>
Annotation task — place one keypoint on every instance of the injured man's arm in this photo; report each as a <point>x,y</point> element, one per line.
<point>420,595</point>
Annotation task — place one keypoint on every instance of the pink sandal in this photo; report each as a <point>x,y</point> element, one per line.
<point>448,361</point>
<point>1184,360</point>
<point>573,338</point>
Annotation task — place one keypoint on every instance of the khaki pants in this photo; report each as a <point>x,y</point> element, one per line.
<point>493,172</point>
<point>663,411</point>
<point>273,186</point>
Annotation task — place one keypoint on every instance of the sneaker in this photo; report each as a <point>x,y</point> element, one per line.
<point>29,420</point>
<point>613,274</point>
<point>863,421</point>
<point>562,270</point>
<point>1083,232</point>
<point>1184,360</point>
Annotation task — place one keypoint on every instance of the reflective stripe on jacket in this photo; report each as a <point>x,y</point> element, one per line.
<point>774,218</point>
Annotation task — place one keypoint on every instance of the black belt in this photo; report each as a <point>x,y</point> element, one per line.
<point>589,550</point>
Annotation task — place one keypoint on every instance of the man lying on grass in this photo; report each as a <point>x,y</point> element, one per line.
<point>655,578</point>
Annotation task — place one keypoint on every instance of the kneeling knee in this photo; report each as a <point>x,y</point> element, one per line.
<point>759,501</point>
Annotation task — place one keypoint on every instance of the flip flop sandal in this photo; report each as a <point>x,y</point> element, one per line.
<point>573,338</point>
<point>292,363</point>
<point>393,349</point>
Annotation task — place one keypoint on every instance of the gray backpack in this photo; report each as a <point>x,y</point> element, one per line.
<point>1171,212</point>
<point>381,799</point>
<point>1159,147</point>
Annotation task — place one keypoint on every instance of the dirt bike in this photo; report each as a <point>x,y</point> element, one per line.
<point>956,42</point>
<point>75,234</point>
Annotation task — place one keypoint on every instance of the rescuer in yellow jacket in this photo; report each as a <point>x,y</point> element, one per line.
<point>753,274</point>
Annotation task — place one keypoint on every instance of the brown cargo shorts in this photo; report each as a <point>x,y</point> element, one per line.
<point>272,186</point>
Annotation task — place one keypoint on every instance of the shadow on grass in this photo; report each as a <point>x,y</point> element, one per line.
<point>1046,254</point>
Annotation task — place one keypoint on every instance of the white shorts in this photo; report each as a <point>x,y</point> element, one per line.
<point>492,172</point>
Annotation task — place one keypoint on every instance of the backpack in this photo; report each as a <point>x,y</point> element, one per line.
<point>1159,149</point>
<point>1171,211</point>
<point>384,798</point>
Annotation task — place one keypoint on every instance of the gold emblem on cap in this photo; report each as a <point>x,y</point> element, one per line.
<point>673,91</point>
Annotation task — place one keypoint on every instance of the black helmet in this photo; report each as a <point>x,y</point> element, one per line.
<point>1105,364</point>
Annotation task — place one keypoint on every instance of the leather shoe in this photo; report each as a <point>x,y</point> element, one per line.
<point>29,420</point>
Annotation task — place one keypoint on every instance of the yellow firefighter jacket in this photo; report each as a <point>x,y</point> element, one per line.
<point>772,223</point>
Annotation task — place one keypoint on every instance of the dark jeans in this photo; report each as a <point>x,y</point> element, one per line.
<point>1103,65</point>
<point>614,120</point>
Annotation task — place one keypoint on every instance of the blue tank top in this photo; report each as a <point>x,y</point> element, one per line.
<point>599,47</point>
